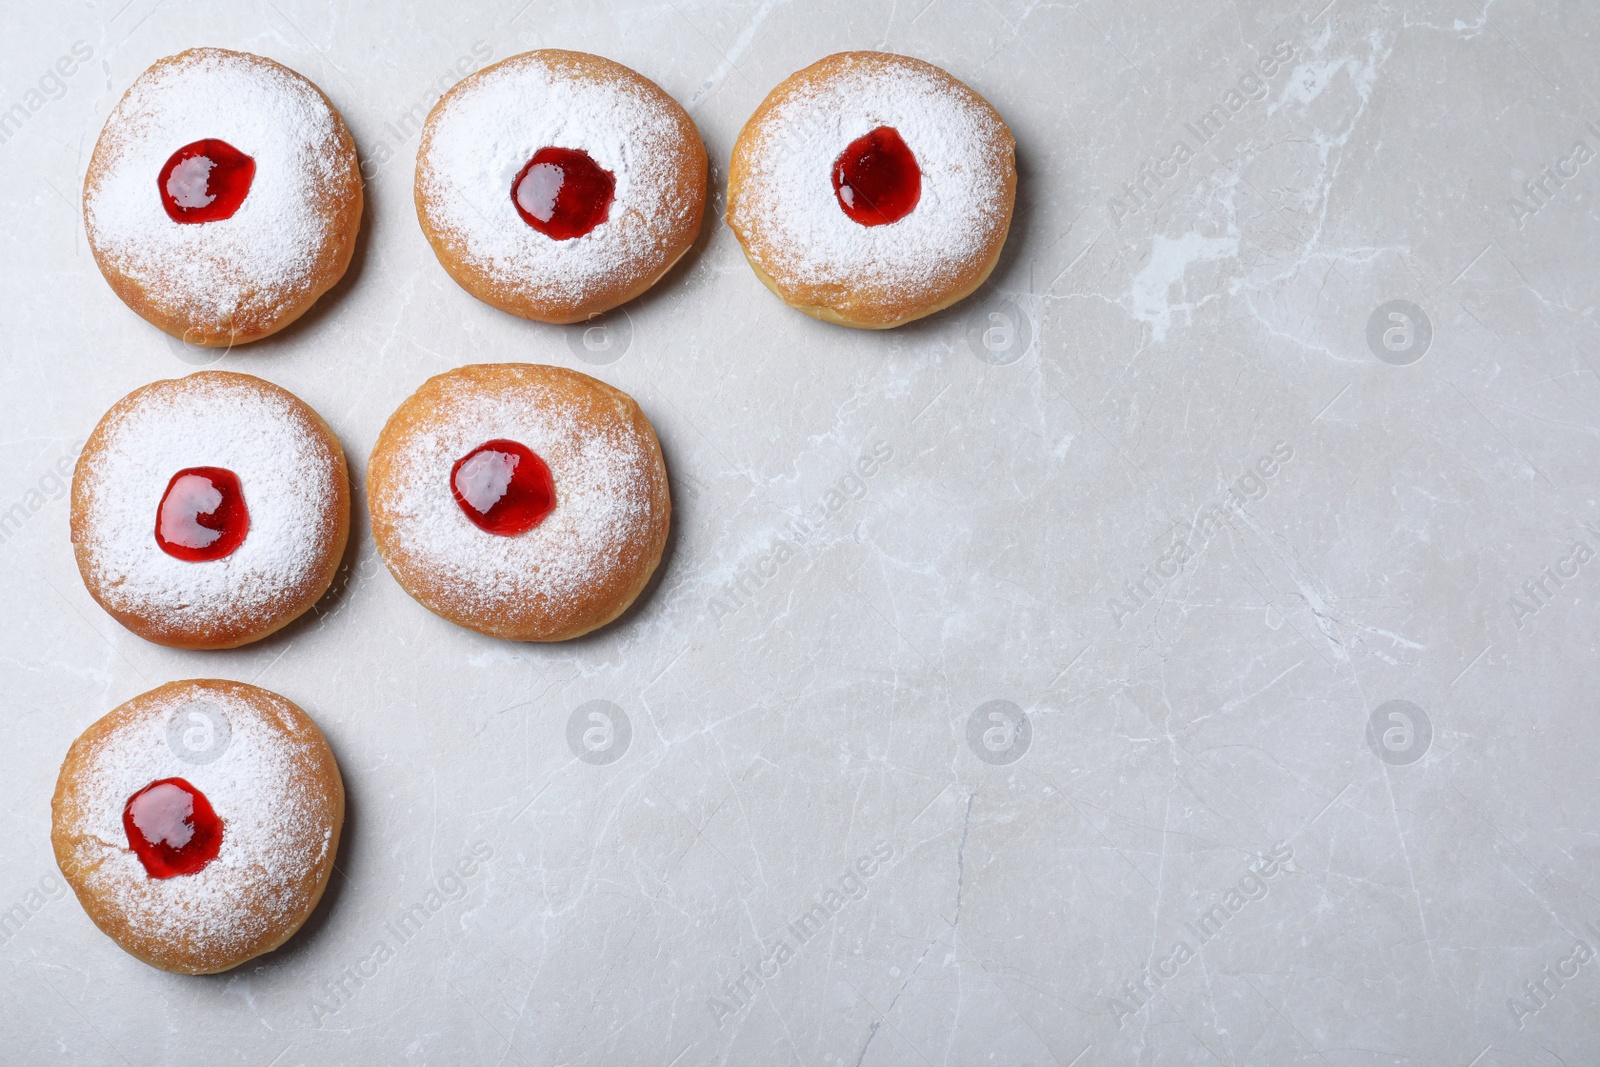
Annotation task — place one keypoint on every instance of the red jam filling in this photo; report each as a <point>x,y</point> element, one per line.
<point>563,193</point>
<point>876,178</point>
<point>205,181</point>
<point>172,828</point>
<point>503,487</point>
<point>202,515</point>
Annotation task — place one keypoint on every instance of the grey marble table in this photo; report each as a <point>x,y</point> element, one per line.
<point>1205,673</point>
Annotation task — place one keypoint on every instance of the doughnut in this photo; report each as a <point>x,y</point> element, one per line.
<point>872,189</point>
<point>209,511</point>
<point>522,501</point>
<point>198,822</point>
<point>223,197</point>
<point>556,185</point>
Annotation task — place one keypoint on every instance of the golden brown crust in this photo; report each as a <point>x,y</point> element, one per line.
<point>583,410</point>
<point>339,200</point>
<point>240,628</point>
<point>863,303</point>
<point>886,316</point>
<point>238,925</point>
<point>688,163</point>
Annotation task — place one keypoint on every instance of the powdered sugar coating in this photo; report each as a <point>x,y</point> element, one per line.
<point>294,487</point>
<point>486,129</point>
<point>279,246</point>
<point>604,532</point>
<point>788,215</point>
<point>269,786</point>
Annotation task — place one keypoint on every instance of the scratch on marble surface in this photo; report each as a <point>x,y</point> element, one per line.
<point>730,58</point>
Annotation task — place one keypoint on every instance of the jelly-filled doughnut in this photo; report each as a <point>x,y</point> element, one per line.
<point>198,823</point>
<point>872,189</point>
<point>209,511</point>
<point>223,197</point>
<point>556,185</point>
<point>518,500</point>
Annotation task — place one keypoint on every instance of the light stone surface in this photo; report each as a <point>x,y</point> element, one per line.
<point>801,682</point>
